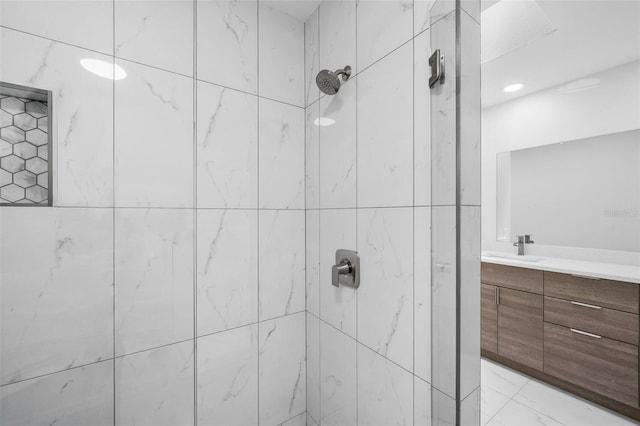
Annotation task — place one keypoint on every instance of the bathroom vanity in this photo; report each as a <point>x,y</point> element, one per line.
<point>572,324</point>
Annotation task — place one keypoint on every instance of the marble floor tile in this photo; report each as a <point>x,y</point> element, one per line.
<point>566,408</point>
<point>518,414</point>
<point>501,379</point>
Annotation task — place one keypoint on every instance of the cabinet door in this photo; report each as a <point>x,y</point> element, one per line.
<point>520,326</point>
<point>489,320</point>
<point>602,365</point>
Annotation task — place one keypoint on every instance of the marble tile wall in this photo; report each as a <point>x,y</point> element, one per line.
<point>166,285</point>
<point>368,189</point>
<point>382,180</point>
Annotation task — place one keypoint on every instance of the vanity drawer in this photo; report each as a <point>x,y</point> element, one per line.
<point>593,319</point>
<point>606,293</point>
<point>513,277</point>
<point>602,365</point>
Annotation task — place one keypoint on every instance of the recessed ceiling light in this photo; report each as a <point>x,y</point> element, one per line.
<point>513,87</point>
<point>324,121</point>
<point>104,69</point>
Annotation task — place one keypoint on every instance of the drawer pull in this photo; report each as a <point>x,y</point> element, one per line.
<point>586,305</point>
<point>584,333</point>
<point>585,276</point>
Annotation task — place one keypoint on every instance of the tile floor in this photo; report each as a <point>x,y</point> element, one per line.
<point>510,398</point>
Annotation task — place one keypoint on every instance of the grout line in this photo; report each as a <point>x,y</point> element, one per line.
<point>113,197</point>
<point>151,349</point>
<point>194,42</point>
<point>413,211</point>
<point>366,346</point>
<point>258,206</point>
<point>40,376</point>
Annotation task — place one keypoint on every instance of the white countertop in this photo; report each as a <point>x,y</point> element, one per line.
<point>610,271</point>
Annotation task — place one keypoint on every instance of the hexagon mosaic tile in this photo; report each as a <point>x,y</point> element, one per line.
<point>24,151</point>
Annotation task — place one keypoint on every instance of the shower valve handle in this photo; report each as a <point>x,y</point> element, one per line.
<point>344,268</point>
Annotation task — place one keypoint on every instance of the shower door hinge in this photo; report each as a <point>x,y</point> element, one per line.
<point>436,62</point>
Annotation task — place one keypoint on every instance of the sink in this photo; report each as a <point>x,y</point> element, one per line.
<point>509,256</point>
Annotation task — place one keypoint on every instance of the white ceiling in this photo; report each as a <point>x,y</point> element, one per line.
<point>299,9</point>
<point>591,36</point>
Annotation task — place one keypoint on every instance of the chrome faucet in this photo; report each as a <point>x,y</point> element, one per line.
<point>522,240</point>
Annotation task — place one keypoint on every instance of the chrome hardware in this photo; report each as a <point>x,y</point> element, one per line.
<point>586,305</point>
<point>522,240</point>
<point>346,271</point>
<point>436,62</point>
<point>584,333</point>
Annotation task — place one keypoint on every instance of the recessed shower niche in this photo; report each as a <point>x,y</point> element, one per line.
<point>25,146</point>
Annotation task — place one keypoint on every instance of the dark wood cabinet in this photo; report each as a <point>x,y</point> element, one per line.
<point>520,326</point>
<point>610,294</point>
<point>512,277</point>
<point>579,333</point>
<point>602,365</point>
<point>489,318</point>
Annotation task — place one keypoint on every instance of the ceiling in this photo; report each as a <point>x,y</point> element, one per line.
<point>590,36</point>
<point>299,9</point>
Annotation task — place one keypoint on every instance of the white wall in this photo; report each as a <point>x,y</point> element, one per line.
<point>549,117</point>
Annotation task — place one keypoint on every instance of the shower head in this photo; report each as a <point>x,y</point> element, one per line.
<point>329,81</point>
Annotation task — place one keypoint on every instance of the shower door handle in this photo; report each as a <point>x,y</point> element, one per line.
<point>436,62</point>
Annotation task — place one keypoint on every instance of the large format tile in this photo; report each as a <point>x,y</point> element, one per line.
<point>421,121</point>
<point>311,58</point>
<point>338,149</point>
<point>491,401</point>
<point>515,413</point>
<point>504,380</point>
<point>338,32</point>
<point>156,387</point>
<point>385,132</point>
<point>299,420</point>
<point>338,380</point>
<point>282,368</point>
<point>469,299</point>
<point>227,382</point>
<point>443,299</point>
<point>312,156</point>
<point>83,112</point>
<point>227,148</point>
<point>384,391</point>
<point>227,43</point>
<point>81,396</point>
<point>87,24</point>
<point>421,15</point>
<point>312,264</point>
<point>155,32</point>
<point>56,289</point>
<point>565,408</point>
<point>313,365</point>
<point>227,269</point>
<point>443,119</point>
<point>470,110</point>
<point>337,304</point>
<point>154,278</point>
<point>383,25</point>
<point>153,138</point>
<point>281,262</point>
<point>281,56</point>
<point>470,408</point>
<point>421,402</point>
<point>385,296</point>
<point>281,157</point>
<point>422,292</point>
